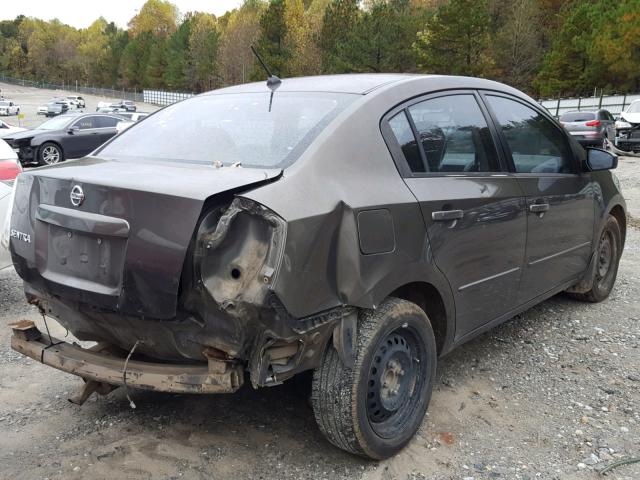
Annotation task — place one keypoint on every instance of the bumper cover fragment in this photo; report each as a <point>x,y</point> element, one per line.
<point>214,377</point>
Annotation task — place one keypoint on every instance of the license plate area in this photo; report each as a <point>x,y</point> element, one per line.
<point>79,259</point>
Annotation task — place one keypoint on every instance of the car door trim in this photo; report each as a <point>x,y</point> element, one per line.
<point>557,254</point>
<point>489,278</point>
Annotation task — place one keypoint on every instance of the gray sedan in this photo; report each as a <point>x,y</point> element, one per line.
<point>590,128</point>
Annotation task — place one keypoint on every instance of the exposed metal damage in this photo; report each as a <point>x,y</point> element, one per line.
<point>228,321</point>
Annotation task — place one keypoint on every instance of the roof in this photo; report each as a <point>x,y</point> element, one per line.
<point>355,83</point>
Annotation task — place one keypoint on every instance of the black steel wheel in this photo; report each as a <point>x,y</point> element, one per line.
<point>607,257</point>
<point>375,409</point>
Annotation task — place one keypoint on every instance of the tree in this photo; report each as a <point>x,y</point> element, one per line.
<point>236,61</point>
<point>203,51</point>
<point>518,43</point>
<point>568,68</point>
<point>158,17</point>
<point>457,40</point>
<point>340,18</point>
<point>176,56</point>
<point>271,42</point>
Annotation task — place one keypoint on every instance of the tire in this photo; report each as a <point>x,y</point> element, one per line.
<point>605,143</point>
<point>607,258</point>
<point>355,409</point>
<point>47,154</point>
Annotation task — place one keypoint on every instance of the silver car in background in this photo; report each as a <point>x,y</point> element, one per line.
<point>591,128</point>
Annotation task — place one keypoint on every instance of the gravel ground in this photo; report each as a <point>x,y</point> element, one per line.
<point>553,394</point>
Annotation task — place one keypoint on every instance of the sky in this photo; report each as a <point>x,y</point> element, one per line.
<point>81,13</point>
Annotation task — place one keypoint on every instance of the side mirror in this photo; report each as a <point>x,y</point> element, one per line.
<point>73,130</point>
<point>598,159</point>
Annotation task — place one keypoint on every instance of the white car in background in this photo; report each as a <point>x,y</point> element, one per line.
<point>8,107</point>
<point>76,100</point>
<point>131,118</point>
<point>6,129</point>
<point>42,110</point>
<point>9,170</point>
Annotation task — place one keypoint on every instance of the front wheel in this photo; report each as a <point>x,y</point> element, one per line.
<point>607,260</point>
<point>50,154</point>
<point>374,409</point>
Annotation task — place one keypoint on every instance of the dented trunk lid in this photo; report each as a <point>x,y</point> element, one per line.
<point>122,247</point>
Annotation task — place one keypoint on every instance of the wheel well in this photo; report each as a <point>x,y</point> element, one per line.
<point>427,297</point>
<point>618,213</point>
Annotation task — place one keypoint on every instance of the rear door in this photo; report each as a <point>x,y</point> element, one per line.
<point>560,199</point>
<point>79,143</point>
<point>474,212</point>
<point>107,126</point>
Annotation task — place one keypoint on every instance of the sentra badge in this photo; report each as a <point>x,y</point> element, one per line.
<point>25,237</point>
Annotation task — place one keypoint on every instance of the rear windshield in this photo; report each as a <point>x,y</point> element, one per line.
<point>249,128</point>
<point>578,117</point>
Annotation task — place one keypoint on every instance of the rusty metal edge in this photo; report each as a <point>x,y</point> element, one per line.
<point>92,365</point>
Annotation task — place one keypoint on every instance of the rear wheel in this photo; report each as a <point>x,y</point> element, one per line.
<point>49,154</point>
<point>375,409</point>
<point>607,260</point>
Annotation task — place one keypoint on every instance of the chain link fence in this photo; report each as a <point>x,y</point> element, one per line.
<point>615,104</point>
<point>156,97</point>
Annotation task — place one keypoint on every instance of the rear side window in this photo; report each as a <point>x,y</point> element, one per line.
<point>454,135</point>
<point>107,122</point>
<point>404,135</point>
<point>537,145</point>
<point>85,123</point>
<point>577,117</point>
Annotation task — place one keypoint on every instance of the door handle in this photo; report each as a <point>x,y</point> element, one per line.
<point>539,208</point>
<point>447,215</point>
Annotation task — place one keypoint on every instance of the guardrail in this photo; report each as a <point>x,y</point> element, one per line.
<point>615,104</point>
<point>162,97</point>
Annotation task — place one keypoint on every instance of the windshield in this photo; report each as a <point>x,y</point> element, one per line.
<point>55,123</point>
<point>634,107</point>
<point>4,104</point>
<point>577,117</point>
<point>231,128</point>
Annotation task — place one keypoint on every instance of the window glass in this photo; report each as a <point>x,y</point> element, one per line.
<point>577,117</point>
<point>403,133</point>
<point>85,123</point>
<point>455,135</point>
<point>106,122</point>
<point>536,144</point>
<point>254,129</point>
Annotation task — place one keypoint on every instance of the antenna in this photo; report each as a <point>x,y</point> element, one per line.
<point>273,82</point>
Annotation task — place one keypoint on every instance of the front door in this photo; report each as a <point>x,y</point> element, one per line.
<point>474,212</point>
<point>560,200</point>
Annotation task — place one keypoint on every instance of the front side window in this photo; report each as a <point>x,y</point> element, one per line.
<point>454,135</point>
<point>250,128</point>
<point>537,145</point>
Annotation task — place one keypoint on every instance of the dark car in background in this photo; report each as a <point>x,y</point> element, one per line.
<point>591,128</point>
<point>359,226</point>
<point>56,107</point>
<point>71,135</point>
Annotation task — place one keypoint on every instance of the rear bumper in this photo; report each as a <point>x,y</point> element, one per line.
<point>95,364</point>
<point>588,140</point>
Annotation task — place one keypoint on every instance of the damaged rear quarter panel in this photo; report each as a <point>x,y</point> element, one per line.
<point>347,170</point>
